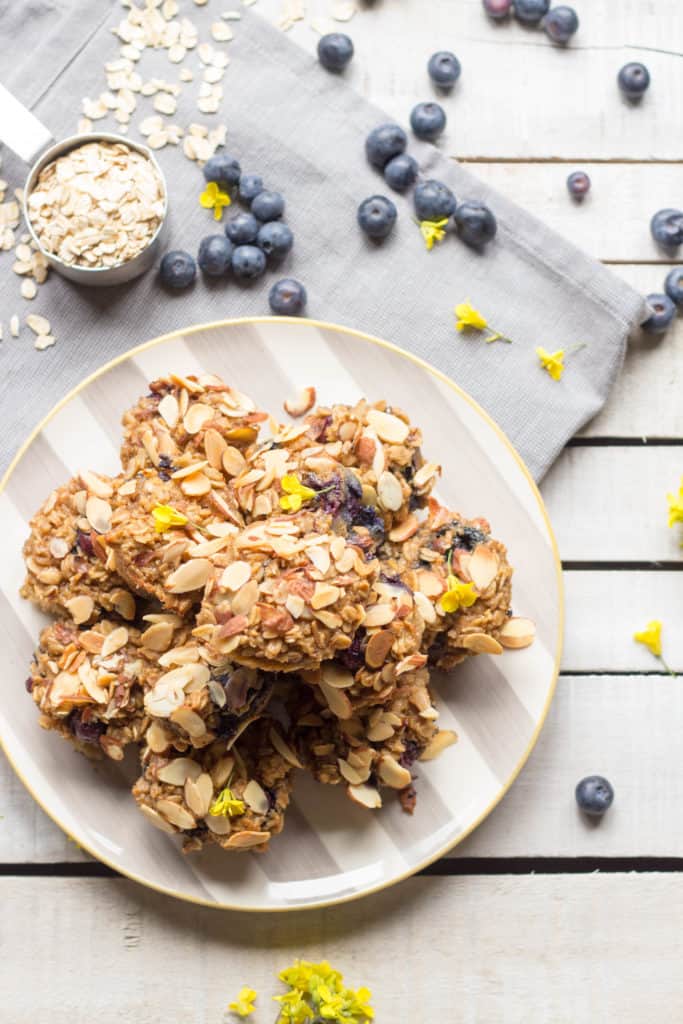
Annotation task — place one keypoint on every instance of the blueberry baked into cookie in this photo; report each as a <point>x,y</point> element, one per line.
<point>247,599</point>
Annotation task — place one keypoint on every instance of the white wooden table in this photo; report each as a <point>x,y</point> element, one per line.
<point>538,917</point>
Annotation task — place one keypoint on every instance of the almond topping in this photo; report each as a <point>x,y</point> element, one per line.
<point>176,814</point>
<point>235,576</point>
<point>190,576</point>
<point>517,633</point>
<point>378,648</point>
<point>324,595</point>
<point>168,410</point>
<point>444,738</point>
<point>480,643</point>
<point>98,514</point>
<point>483,567</point>
<point>80,608</point>
<point>365,795</point>
<point>245,840</point>
<point>378,615</point>
<point>388,427</point>
<point>196,416</point>
<point>301,404</point>
<point>177,771</point>
<point>255,797</point>
<point>392,773</point>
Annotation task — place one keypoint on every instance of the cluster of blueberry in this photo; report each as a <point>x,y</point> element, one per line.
<point>667,230</point>
<point>252,239</point>
<point>560,23</point>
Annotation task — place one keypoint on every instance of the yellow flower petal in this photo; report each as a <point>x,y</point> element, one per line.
<point>295,493</point>
<point>459,595</point>
<point>468,316</point>
<point>243,1006</point>
<point>552,362</point>
<point>675,507</point>
<point>227,805</point>
<point>433,231</point>
<point>165,516</point>
<point>651,637</point>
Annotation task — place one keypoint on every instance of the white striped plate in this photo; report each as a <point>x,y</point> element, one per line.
<point>331,850</point>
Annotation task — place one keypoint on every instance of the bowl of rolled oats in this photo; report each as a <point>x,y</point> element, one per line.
<point>96,205</point>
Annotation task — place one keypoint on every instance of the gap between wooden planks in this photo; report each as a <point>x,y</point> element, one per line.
<point>549,949</point>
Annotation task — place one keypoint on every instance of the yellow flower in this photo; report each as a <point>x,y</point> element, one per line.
<point>467,316</point>
<point>675,506</point>
<point>459,595</point>
<point>213,199</point>
<point>244,1004</point>
<point>227,805</point>
<point>433,231</point>
<point>165,517</point>
<point>651,637</point>
<point>552,362</point>
<point>295,493</point>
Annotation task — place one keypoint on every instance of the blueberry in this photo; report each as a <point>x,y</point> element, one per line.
<point>214,255</point>
<point>401,172</point>
<point>663,312</point>
<point>428,120</point>
<point>377,216</point>
<point>287,297</point>
<point>578,184</point>
<point>444,68</point>
<point>268,205</point>
<point>433,200</point>
<point>335,50</point>
<point>497,8</point>
<point>242,228</point>
<point>178,269</point>
<point>85,730</point>
<point>385,142</point>
<point>248,262</point>
<point>673,285</point>
<point>667,228</point>
<point>275,238</point>
<point>223,169</point>
<point>560,24</point>
<point>594,795</point>
<point>531,11</point>
<point>633,80</point>
<point>250,186</point>
<point>475,222</point>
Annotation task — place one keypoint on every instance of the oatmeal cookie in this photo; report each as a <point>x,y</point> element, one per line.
<point>89,683</point>
<point>201,417</point>
<point>285,594</point>
<point>234,798</point>
<point>449,546</point>
<point>66,565</point>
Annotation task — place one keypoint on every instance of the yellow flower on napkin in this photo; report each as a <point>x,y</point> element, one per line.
<point>212,198</point>
<point>552,362</point>
<point>468,316</point>
<point>433,231</point>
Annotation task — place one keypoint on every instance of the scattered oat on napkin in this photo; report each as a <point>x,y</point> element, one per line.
<point>303,130</point>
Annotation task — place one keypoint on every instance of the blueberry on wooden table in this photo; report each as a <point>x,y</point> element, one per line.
<point>335,50</point>
<point>287,297</point>
<point>376,217</point>
<point>401,172</point>
<point>242,228</point>
<point>578,184</point>
<point>428,120</point>
<point>560,24</point>
<point>249,187</point>
<point>268,205</point>
<point>667,228</point>
<point>214,256</point>
<point>444,69</point>
<point>633,80</point>
<point>248,262</point>
<point>476,223</point>
<point>673,286</point>
<point>385,142</point>
<point>663,312</point>
<point>275,239</point>
<point>497,9</point>
<point>178,269</point>
<point>433,200</point>
<point>531,11</point>
<point>223,169</point>
<point>594,795</point>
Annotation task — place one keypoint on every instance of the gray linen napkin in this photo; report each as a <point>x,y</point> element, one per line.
<point>303,129</point>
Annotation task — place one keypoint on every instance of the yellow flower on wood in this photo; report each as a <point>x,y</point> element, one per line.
<point>552,362</point>
<point>165,517</point>
<point>212,198</point>
<point>244,1004</point>
<point>675,506</point>
<point>295,494</point>
<point>651,637</point>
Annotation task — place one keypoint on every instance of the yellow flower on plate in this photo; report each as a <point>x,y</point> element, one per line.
<point>212,198</point>
<point>675,506</point>
<point>433,231</point>
<point>468,316</point>
<point>552,362</point>
<point>227,805</point>
<point>165,517</point>
<point>295,494</point>
<point>651,637</point>
<point>244,1004</point>
<point>459,595</point>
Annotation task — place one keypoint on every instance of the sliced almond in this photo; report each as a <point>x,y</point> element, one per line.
<point>169,410</point>
<point>336,675</point>
<point>480,643</point>
<point>176,772</point>
<point>190,470</point>
<point>349,773</point>
<point>325,595</point>
<point>255,797</point>
<point>517,633</point>
<point>245,599</point>
<point>483,567</point>
<point>196,485</point>
<point>389,492</point>
<point>190,576</point>
<point>157,738</point>
<point>378,615</point>
<point>283,749</point>
<point>388,427</point>
<point>97,485</point>
<point>196,416</point>
<point>443,739</point>
<point>155,819</point>
<point>114,641</point>
<point>198,794</point>
<point>158,637</point>
<point>245,840</point>
<point>190,721</point>
<point>295,606</point>
<point>380,732</point>
<point>235,576</point>
<point>425,474</point>
<point>337,701</point>
<point>98,513</point>
<point>214,446</point>
<point>301,404</point>
<point>425,607</point>
<point>58,548</point>
<point>233,461</point>
<point>428,583</point>
<point>392,773</point>
<point>124,603</point>
<point>378,647</point>
<point>366,796</point>
<point>80,608</point>
<point>408,528</point>
<point>219,824</point>
<point>320,557</point>
<point>176,814</point>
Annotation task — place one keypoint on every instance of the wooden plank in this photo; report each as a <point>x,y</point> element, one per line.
<point>552,102</point>
<point>609,504</point>
<point>556,949</point>
<point>619,726</point>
